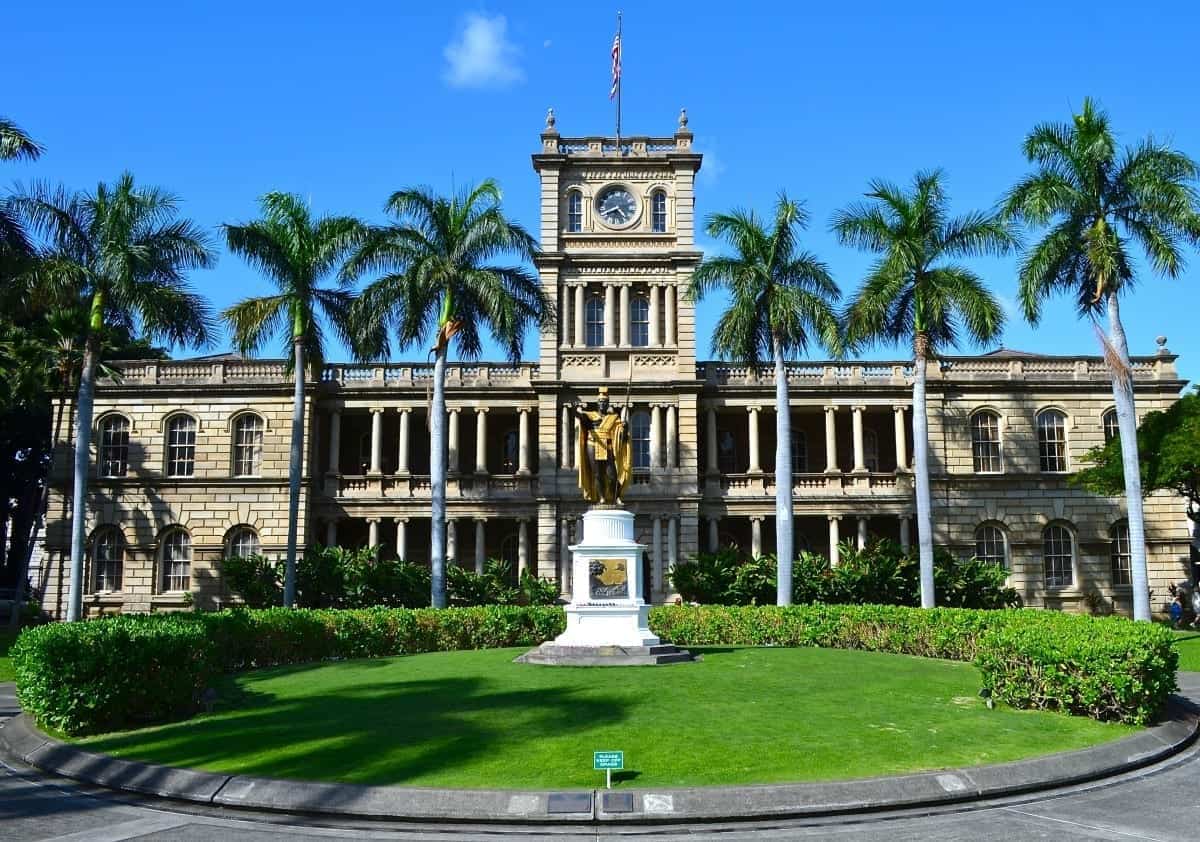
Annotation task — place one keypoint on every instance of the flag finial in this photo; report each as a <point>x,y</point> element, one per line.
<point>550,118</point>
<point>683,120</point>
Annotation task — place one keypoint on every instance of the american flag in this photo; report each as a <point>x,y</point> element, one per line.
<point>616,66</point>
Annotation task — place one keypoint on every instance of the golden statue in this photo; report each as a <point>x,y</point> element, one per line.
<point>604,454</point>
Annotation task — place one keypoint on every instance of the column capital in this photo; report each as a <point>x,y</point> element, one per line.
<point>400,519</point>
<point>478,519</point>
<point>757,518</point>
<point>899,408</point>
<point>832,518</point>
<point>524,410</point>
<point>754,408</point>
<point>373,519</point>
<point>453,410</point>
<point>377,410</point>
<point>830,408</point>
<point>859,408</point>
<point>404,410</point>
<point>480,410</point>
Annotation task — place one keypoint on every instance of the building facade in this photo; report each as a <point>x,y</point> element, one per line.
<point>191,457</point>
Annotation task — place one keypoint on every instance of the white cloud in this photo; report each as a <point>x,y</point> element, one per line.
<point>481,56</point>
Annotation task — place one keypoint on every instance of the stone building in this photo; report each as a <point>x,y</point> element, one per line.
<point>191,457</point>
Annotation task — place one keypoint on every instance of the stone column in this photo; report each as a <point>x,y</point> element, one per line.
<point>567,295</point>
<point>566,439</point>
<point>372,532</point>
<point>624,316</point>
<point>451,541</point>
<point>655,336</point>
<point>862,533</point>
<point>579,334</point>
<point>860,463</point>
<point>905,532</point>
<point>655,436</point>
<point>669,295</point>
<point>335,441</point>
<point>901,438</point>
<point>672,436</point>
<point>752,434</point>
<point>402,538</point>
<point>831,465</point>
<point>656,565</point>
<point>480,543</point>
<point>452,447</point>
<point>710,445</point>
<point>672,545</point>
<point>522,546</point>
<point>331,533</point>
<point>833,541</point>
<point>376,440</point>
<point>756,536</point>
<point>610,320</point>
<point>564,555</point>
<point>402,461</point>
<point>481,440</point>
<point>714,535</point>
<point>523,442</point>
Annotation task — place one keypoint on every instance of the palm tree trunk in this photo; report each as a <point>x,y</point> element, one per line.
<point>921,470</point>
<point>784,539</point>
<point>83,444</point>
<point>295,469</point>
<point>437,480</point>
<point>14,621</point>
<point>1122,386</point>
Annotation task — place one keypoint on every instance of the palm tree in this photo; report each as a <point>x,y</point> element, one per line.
<point>915,294</point>
<point>296,252</point>
<point>437,281</point>
<point>782,299</point>
<point>1096,200</point>
<point>15,145</point>
<point>125,251</point>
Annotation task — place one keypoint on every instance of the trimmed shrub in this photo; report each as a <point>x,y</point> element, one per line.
<point>125,671</point>
<point>881,574</point>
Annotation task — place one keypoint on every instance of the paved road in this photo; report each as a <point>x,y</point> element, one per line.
<point>1160,803</point>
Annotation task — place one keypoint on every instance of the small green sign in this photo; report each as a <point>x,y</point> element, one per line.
<point>608,760</point>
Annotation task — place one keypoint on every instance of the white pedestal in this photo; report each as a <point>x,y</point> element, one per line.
<point>606,607</point>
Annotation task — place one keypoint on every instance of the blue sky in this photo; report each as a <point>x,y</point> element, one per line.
<point>222,101</point>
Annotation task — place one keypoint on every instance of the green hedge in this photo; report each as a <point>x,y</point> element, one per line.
<point>125,671</point>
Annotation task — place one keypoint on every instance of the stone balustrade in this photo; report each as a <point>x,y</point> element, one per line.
<point>341,375</point>
<point>418,487</point>
<point>754,486</point>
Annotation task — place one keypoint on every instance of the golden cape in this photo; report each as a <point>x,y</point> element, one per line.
<point>622,453</point>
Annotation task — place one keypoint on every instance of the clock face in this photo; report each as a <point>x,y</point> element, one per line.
<point>616,206</point>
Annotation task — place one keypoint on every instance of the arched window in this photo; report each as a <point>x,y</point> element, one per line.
<point>114,446</point>
<point>639,321</point>
<point>594,318</point>
<point>181,446</point>
<point>799,452</point>
<point>512,443</point>
<point>990,545</point>
<point>1052,441</point>
<point>871,450</point>
<point>176,555</point>
<point>247,445</point>
<point>574,212</point>
<point>1112,429</point>
<point>658,211</point>
<point>985,442</point>
<point>242,543</point>
<point>1119,552</point>
<point>1058,556</point>
<point>640,438</point>
<point>108,559</point>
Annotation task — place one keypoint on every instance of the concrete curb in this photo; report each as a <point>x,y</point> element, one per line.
<point>21,739</point>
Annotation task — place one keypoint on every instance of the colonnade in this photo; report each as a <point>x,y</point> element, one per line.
<point>831,466</point>
<point>374,538</point>
<point>618,328</point>
<point>861,535</point>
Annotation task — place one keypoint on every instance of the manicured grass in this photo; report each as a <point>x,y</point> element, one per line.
<point>475,719</point>
<point>6,667</point>
<point>1187,643</point>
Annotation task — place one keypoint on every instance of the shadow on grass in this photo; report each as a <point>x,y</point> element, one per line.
<point>369,733</point>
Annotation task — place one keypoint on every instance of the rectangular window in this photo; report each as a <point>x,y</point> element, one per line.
<point>1058,555</point>
<point>181,447</point>
<point>985,443</point>
<point>1052,442</point>
<point>177,561</point>
<point>1122,571</point>
<point>114,447</point>
<point>247,447</point>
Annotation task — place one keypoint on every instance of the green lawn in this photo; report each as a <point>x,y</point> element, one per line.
<point>6,668</point>
<point>1187,643</point>
<point>475,719</point>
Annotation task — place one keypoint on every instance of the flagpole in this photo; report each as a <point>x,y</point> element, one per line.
<point>621,60</point>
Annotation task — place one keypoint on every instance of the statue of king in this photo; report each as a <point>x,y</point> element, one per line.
<point>604,455</point>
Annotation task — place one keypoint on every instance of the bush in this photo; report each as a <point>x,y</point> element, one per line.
<point>330,577</point>
<point>124,671</point>
<point>881,574</point>
<point>117,672</point>
<point>491,587</point>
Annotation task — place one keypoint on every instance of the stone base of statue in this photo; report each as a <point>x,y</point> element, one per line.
<point>606,618</point>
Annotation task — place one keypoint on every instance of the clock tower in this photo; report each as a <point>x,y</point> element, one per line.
<point>618,250</point>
